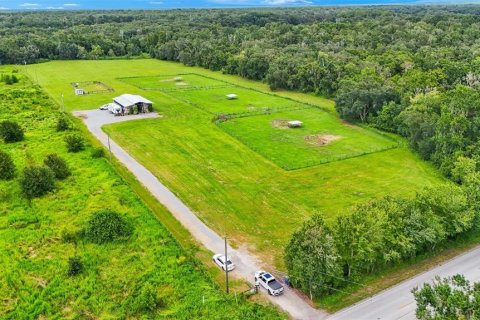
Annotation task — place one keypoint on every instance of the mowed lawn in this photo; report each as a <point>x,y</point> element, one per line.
<point>321,139</point>
<point>174,82</point>
<point>234,189</point>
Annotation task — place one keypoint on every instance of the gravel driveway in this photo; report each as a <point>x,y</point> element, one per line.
<point>246,264</point>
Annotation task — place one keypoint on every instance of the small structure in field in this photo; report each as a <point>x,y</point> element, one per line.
<point>79,92</point>
<point>295,124</point>
<point>132,104</point>
<point>232,96</point>
<point>178,79</point>
<point>90,87</point>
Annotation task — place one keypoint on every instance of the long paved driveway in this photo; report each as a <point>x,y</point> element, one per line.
<point>246,264</point>
<point>398,302</point>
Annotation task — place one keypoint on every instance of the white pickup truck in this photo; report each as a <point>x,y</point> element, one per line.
<point>269,282</point>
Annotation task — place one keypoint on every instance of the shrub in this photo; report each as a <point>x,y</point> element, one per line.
<point>7,167</point>
<point>106,226</point>
<point>37,181</point>
<point>75,266</point>
<point>62,124</point>
<point>145,300</point>
<point>58,166</point>
<point>74,143</point>
<point>98,152</point>
<point>10,131</point>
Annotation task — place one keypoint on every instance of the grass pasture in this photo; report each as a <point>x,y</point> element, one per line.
<point>232,188</point>
<point>321,139</point>
<point>253,113</point>
<point>92,87</point>
<point>166,83</point>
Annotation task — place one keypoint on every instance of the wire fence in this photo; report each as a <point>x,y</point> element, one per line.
<point>83,84</point>
<point>312,162</point>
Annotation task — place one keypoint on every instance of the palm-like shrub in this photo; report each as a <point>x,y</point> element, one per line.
<point>7,167</point>
<point>37,181</point>
<point>11,131</point>
<point>74,143</point>
<point>107,226</point>
<point>58,165</point>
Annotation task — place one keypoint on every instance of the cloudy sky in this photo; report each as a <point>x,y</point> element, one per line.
<point>164,4</point>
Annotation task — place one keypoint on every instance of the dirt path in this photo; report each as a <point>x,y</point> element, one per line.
<point>246,264</point>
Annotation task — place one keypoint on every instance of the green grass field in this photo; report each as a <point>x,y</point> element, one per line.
<point>174,82</point>
<point>34,255</point>
<point>234,189</point>
<point>321,139</point>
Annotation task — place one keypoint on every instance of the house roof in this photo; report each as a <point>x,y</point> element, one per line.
<point>127,100</point>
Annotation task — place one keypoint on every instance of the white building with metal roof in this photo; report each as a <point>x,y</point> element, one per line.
<point>129,102</point>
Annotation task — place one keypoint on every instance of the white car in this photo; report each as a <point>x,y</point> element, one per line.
<point>219,259</point>
<point>266,280</point>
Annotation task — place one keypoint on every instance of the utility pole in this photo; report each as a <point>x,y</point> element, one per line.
<point>226,264</point>
<point>109,149</point>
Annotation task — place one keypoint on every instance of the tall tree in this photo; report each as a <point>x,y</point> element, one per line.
<point>311,258</point>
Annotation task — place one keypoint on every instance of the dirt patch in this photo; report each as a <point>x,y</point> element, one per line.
<point>348,124</point>
<point>166,80</point>
<point>280,123</point>
<point>320,140</point>
<point>181,83</point>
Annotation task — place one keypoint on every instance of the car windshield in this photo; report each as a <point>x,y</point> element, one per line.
<point>229,262</point>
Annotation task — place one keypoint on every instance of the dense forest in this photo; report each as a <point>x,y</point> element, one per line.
<point>414,71</point>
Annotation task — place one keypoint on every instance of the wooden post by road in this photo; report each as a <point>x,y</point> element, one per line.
<point>226,265</point>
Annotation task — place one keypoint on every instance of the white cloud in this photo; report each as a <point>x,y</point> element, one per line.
<point>28,4</point>
<point>156,2</point>
<point>55,8</point>
<point>3,8</point>
<point>71,5</point>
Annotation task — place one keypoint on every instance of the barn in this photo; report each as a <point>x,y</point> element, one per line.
<point>131,103</point>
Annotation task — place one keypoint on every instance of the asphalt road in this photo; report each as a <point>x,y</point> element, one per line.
<point>398,302</point>
<point>246,264</point>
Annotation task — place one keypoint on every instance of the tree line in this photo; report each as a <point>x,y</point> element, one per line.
<point>322,257</point>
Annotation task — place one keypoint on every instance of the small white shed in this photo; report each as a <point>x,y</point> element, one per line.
<point>295,124</point>
<point>232,96</point>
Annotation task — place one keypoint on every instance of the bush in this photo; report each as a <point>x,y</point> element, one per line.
<point>145,300</point>
<point>74,143</point>
<point>10,131</point>
<point>98,152</point>
<point>107,226</point>
<point>75,266</point>
<point>62,124</point>
<point>7,167</point>
<point>58,166</point>
<point>37,181</point>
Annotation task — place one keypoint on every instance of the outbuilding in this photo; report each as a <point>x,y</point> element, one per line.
<point>295,124</point>
<point>131,103</point>
<point>232,96</point>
